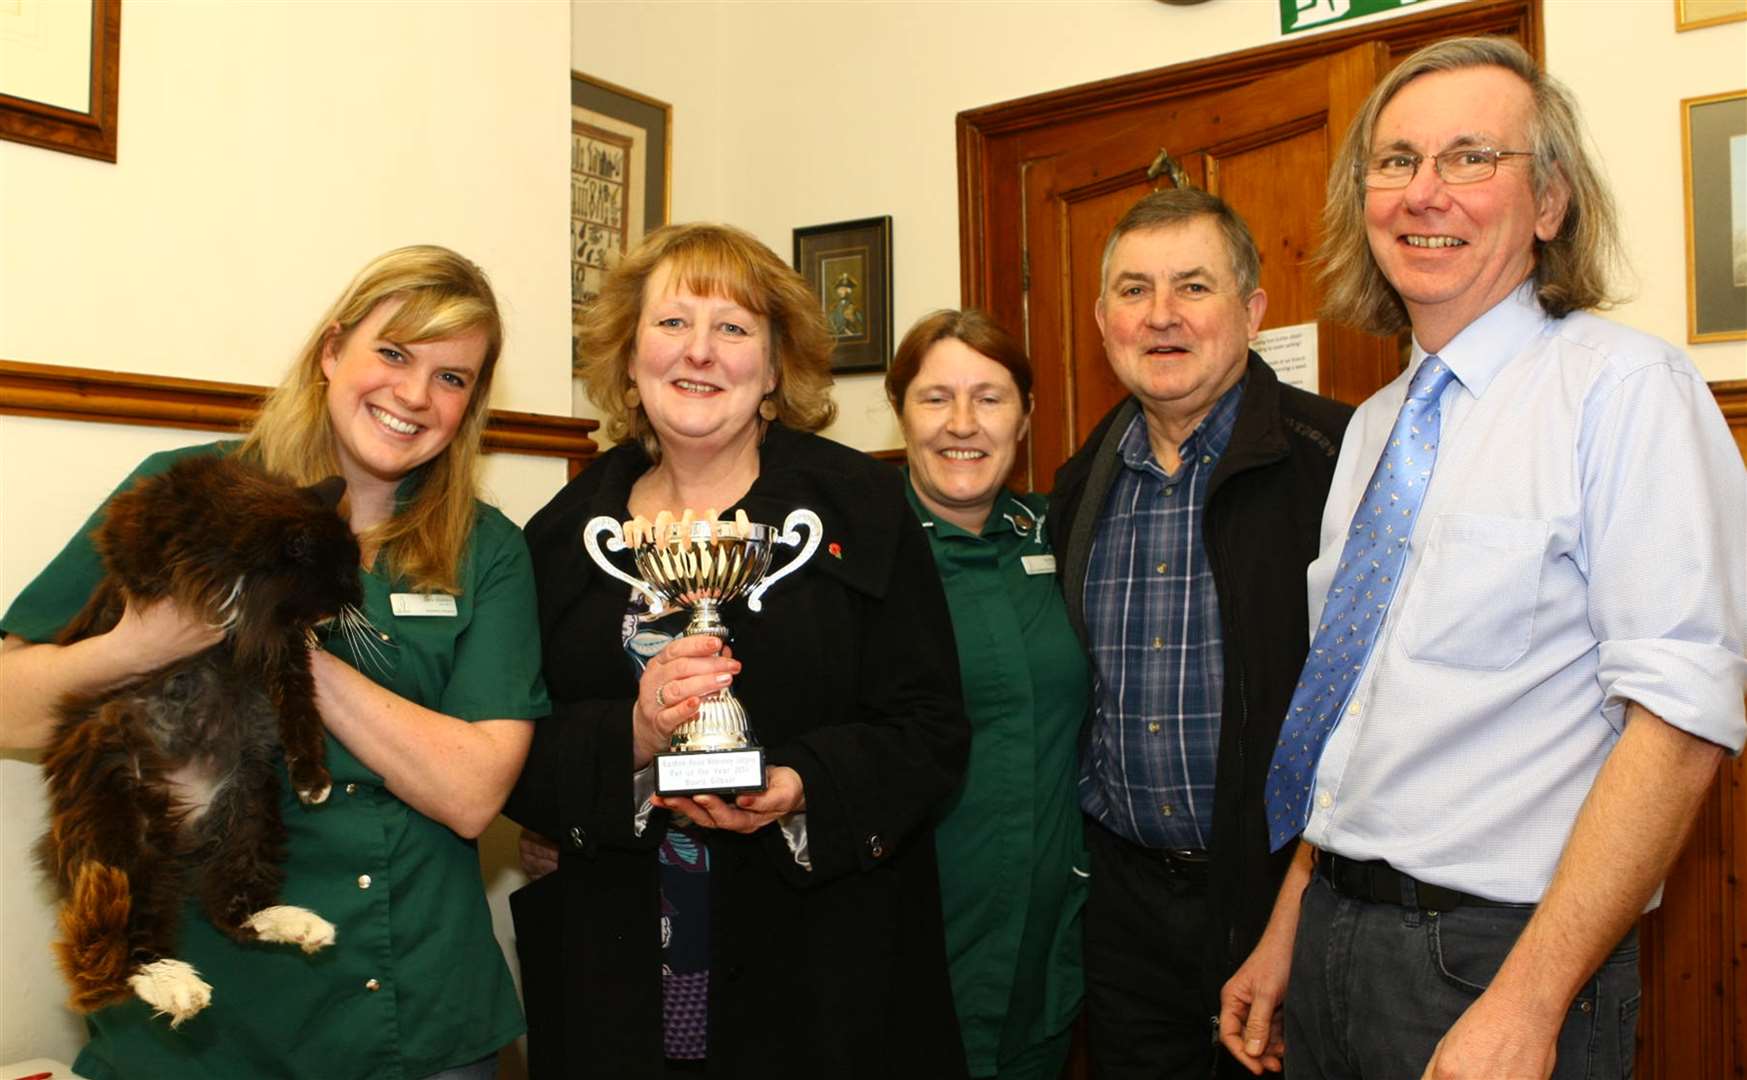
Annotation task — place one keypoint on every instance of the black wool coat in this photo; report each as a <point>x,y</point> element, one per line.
<point>850,677</point>
<point>1261,531</point>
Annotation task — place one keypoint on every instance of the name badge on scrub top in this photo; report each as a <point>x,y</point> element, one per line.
<point>1038,564</point>
<point>406,603</point>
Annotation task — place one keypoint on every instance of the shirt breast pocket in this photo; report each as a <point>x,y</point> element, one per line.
<point>1474,598</point>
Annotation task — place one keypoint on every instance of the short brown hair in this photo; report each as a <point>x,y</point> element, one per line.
<point>1176,206</point>
<point>970,326</point>
<point>1571,270</point>
<point>708,260</point>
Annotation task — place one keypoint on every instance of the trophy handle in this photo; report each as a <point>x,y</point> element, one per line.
<point>591,534</point>
<point>790,537</point>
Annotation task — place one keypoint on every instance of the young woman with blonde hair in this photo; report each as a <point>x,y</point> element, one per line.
<point>427,733</point>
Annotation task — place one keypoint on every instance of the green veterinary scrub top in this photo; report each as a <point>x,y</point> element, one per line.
<point>415,981</point>
<point>1011,847</point>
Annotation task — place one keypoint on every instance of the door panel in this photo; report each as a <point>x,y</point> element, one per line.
<point>1263,147</point>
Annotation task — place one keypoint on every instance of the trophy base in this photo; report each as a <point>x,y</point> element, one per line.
<point>710,772</point>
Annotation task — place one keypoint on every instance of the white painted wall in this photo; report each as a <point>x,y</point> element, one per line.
<point>792,114</point>
<point>267,150</point>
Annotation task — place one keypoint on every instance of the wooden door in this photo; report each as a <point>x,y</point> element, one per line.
<point>1265,148</point>
<point>1042,179</point>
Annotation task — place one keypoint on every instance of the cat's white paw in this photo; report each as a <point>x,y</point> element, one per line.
<point>172,988</point>
<point>292,926</point>
<point>315,798</point>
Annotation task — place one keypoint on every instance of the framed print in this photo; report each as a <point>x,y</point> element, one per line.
<point>621,165</point>
<point>59,69</point>
<point>1713,142</point>
<point>1692,14</point>
<point>849,265</point>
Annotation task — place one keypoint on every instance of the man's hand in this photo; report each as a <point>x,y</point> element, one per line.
<point>1252,1004</point>
<point>539,855</point>
<point>1495,1040</point>
<point>1252,1007</point>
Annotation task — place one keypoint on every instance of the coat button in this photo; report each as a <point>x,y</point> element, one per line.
<point>577,837</point>
<point>351,789</point>
<point>372,985</point>
<point>876,847</point>
<point>363,881</point>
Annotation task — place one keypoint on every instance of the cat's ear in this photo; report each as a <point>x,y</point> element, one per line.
<point>328,492</point>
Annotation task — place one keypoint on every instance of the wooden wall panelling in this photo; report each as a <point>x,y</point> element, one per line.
<point>112,397</point>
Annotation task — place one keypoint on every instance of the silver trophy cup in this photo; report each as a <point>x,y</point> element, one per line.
<point>703,569</point>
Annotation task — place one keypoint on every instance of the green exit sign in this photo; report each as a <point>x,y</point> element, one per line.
<point>1296,15</point>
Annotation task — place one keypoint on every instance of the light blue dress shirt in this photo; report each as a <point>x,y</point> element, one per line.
<point>1583,545</point>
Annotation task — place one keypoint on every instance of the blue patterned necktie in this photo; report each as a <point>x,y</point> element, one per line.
<point>1358,597</point>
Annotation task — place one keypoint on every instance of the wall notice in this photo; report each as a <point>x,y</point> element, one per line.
<point>1291,352</point>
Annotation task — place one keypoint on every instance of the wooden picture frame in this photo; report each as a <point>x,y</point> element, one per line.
<point>1713,157</point>
<point>1692,14</point>
<point>621,180</point>
<point>849,266</point>
<point>59,77</point>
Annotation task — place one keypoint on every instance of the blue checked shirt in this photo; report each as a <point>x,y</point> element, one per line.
<point>1153,618</point>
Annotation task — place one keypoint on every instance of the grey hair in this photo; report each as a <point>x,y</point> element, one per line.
<point>1572,270</point>
<point>1174,206</point>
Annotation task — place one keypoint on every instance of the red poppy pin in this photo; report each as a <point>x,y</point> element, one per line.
<point>835,549</point>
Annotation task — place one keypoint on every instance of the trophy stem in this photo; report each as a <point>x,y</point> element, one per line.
<point>706,619</point>
<point>719,725</point>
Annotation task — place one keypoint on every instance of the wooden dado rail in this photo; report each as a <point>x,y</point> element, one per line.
<point>113,397</point>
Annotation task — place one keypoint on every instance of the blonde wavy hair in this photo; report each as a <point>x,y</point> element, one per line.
<point>708,260</point>
<point>1572,271</point>
<point>441,295</point>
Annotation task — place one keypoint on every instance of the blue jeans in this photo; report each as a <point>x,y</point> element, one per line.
<point>1375,986</point>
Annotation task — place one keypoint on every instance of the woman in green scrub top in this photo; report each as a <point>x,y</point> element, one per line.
<point>1012,856</point>
<point>426,735</point>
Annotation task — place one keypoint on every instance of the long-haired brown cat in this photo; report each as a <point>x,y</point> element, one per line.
<point>170,783</point>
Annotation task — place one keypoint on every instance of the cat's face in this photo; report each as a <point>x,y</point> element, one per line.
<point>318,561</point>
<point>396,405</point>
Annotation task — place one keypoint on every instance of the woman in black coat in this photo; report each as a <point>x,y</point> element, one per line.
<point>795,932</point>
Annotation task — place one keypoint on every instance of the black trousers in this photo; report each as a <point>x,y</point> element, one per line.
<point>1149,1012</point>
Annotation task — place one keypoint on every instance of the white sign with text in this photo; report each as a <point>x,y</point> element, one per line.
<point>1291,352</point>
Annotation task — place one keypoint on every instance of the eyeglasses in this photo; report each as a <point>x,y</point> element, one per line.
<point>1467,165</point>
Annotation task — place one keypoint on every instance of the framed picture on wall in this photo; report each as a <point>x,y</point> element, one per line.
<point>621,167</point>
<point>849,265</point>
<point>1692,14</point>
<point>59,74</point>
<point>1713,139</point>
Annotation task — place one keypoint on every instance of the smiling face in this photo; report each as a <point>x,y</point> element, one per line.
<point>701,364</point>
<point>395,405</point>
<point>1452,252</point>
<point>1176,323</point>
<point>963,417</point>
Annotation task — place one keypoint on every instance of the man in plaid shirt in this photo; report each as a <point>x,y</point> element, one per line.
<point>1184,526</point>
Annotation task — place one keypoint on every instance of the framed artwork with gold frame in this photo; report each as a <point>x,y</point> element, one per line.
<point>1692,14</point>
<point>1713,144</point>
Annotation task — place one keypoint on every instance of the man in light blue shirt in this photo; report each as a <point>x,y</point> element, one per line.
<point>1518,744</point>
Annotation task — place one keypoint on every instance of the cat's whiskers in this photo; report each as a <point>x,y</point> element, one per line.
<point>365,640</point>
<point>229,608</point>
